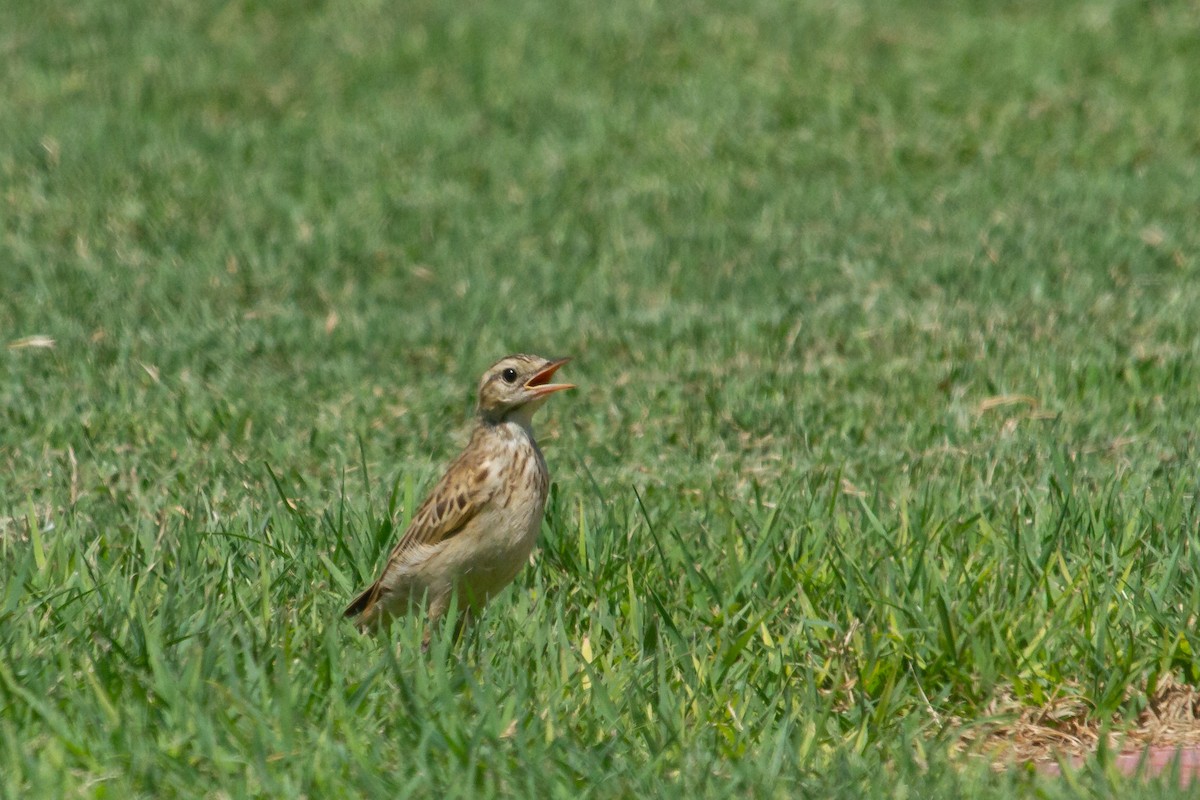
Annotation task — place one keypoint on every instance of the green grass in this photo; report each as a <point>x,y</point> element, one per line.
<point>797,249</point>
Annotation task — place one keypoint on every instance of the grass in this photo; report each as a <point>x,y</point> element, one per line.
<point>884,323</point>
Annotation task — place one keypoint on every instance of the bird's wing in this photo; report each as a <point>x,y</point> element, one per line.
<point>456,499</point>
<point>464,491</point>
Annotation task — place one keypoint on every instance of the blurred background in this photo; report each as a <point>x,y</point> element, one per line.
<point>773,234</point>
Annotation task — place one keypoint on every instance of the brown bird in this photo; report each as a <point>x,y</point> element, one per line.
<point>478,526</point>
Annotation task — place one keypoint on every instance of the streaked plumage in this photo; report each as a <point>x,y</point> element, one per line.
<point>477,527</point>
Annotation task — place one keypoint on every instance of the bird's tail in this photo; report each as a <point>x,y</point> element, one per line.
<point>361,604</point>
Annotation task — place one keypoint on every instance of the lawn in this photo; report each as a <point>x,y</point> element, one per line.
<point>882,471</point>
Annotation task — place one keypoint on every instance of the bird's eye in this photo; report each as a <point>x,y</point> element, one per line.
<point>509,375</point>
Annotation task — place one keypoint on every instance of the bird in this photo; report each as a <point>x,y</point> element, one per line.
<point>475,531</point>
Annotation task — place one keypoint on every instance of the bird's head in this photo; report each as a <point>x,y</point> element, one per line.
<point>516,386</point>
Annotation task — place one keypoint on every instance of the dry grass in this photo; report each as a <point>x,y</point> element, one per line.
<point>1065,730</point>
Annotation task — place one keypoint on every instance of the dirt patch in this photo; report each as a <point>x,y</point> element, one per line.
<point>1064,733</point>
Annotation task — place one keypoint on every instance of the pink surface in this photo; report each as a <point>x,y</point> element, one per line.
<point>1157,759</point>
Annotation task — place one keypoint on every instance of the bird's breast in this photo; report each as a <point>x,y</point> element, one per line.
<point>507,527</point>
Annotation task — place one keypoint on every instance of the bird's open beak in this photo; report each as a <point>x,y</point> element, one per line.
<point>540,384</point>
